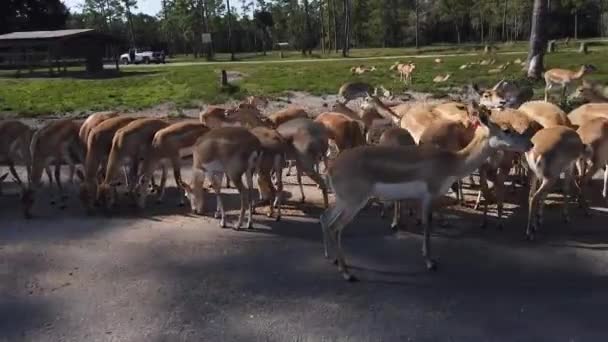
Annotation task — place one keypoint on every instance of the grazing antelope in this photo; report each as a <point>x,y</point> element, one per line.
<point>214,117</point>
<point>556,150</point>
<point>284,115</point>
<point>130,145</point>
<point>588,112</point>
<point>395,136</point>
<point>412,172</point>
<point>594,135</point>
<point>226,150</point>
<point>563,78</point>
<point>171,143</point>
<point>344,131</point>
<point>352,90</point>
<point>274,150</point>
<point>441,78</point>
<point>56,142</point>
<point>405,72</point>
<point>99,144</point>
<point>92,121</point>
<point>545,113</point>
<point>308,143</point>
<point>590,92</point>
<point>15,139</point>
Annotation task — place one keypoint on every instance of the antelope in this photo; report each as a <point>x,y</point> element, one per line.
<point>441,78</point>
<point>353,90</point>
<point>465,66</point>
<point>56,142</point>
<point>308,143</point>
<point>588,112</point>
<point>368,118</point>
<point>591,92</point>
<point>405,72</point>
<point>92,121</point>
<point>257,101</point>
<point>130,145</point>
<point>214,117</point>
<point>499,69</point>
<point>563,78</point>
<point>517,61</point>
<point>344,131</point>
<point>361,69</point>
<point>395,136</point>
<point>15,139</point>
<point>99,145</point>
<point>438,61</point>
<point>412,172</point>
<point>504,94</point>
<point>284,115</point>
<point>226,150</point>
<point>545,113</point>
<point>272,160</point>
<point>172,143</point>
<point>556,150</point>
<point>594,135</point>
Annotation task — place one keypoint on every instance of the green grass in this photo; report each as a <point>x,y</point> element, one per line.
<point>188,86</point>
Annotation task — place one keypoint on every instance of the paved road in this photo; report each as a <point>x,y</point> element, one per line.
<point>168,276</point>
<point>309,60</point>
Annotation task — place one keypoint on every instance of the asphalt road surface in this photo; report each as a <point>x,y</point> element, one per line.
<point>165,275</point>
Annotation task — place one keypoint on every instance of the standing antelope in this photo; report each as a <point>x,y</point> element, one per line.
<point>344,131</point>
<point>172,143</point>
<point>15,139</point>
<point>556,150</point>
<point>594,135</point>
<point>130,145</point>
<point>226,150</point>
<point>99,145</point>
<point>56,142</point>
<point>411,172</point>
<point>405,72</point>
<point>563,78</point>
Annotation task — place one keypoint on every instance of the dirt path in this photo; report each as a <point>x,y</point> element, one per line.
<point>165,275</point>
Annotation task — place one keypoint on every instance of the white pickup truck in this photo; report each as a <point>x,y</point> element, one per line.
<point>145,57</point>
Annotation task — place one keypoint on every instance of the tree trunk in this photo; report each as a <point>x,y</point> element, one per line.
<point>230,47</point>
<point>576,24</point>
<point>504,22</point>
<point>321,14</point>
<point>130,22</point>
<point>335,13</point>
<point>346,46</point>
<point>417,25</point>
<point>307,46</point>
<point>457,33</point>
<point>537,40</point>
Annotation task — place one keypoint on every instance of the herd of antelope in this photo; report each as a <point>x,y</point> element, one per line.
<point>404,153</point>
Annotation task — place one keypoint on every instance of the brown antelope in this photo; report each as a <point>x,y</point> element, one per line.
<point>504,95</point>
<point>590,92</point>
<point>405,72</point>
<point>371,122</point>
<point>344,131</point>
<point>171,143</point>
<point>92,121</point>
<point>594,135</point>
<point>556,150</point>
<point>563,78</point>
<point>130,145</point>
<point>545,113</point>
<point>15,139</point>
<point>308,143</point>
<point>289,113</point>
<point>412,172</point>
<point>352,90</point>
<point>274,150</point>
<point>395,136</point>
<point>57,142</point>
<point>587,112</point>
<point>226,150</point>
<point>441,78</point>
<point>99,145</point>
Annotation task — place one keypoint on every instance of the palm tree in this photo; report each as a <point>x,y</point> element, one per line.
<point>538,39</point>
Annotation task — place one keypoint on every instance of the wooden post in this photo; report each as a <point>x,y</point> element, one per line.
<point>583,48</point>
<point>551,47</point>
<point>224,79</point>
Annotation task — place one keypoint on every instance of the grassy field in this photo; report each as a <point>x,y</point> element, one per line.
<point>188,86</point>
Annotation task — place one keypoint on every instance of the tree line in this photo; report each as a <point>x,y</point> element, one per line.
<point>328,25</point>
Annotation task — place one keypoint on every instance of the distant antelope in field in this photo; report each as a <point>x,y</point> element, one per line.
<point>441,78</point>
<point>438,61</point>
<point>406,71</point>
<point>361,69</point>
<point>378,171</point>
<point>564,78</point>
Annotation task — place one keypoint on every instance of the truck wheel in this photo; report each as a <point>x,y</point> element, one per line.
<point>146,60</point>
<point>124,61</point>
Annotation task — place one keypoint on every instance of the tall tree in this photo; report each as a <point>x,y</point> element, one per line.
<point>346,16</point>
<point>538,39</point>
<point>31,15</point>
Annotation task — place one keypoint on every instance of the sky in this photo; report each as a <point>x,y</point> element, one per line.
<point>151,7</point>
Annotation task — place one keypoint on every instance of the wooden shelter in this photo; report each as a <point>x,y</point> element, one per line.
<point>58,49</point>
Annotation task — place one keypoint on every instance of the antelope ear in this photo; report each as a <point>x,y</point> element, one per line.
<point>3,177</point>
<point>498,84</point>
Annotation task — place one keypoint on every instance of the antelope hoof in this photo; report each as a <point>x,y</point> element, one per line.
<point>217,215</point>
<point>278,218</point>
<point>431,265</point>
<point>335,262</point>
<point>303,199</point>
<point>222,224</point>
<point>349,277</point>
<point>394,227</point>
<point>530,236</point>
